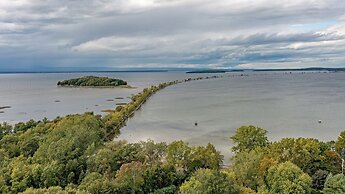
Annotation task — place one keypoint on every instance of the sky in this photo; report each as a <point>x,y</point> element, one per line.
<point>116,34</point>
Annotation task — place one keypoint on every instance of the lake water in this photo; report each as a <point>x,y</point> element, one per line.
<point>33,96</point>
<point>287,105</point>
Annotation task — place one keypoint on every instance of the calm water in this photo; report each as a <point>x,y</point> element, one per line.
<point>287,105</point>
<point>33,96</point>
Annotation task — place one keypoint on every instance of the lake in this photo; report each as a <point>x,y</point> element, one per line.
<point>36,95</point>
<point>287,105</point>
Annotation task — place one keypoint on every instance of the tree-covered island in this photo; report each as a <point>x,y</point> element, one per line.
<point>93,81</point>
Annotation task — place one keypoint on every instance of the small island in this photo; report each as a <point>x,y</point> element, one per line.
<point>94,81</point>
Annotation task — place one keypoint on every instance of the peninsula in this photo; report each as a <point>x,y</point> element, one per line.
<point>93,81</point>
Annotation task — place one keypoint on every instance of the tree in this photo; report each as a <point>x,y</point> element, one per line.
<point>153,152</point>
<point>63,151</point>
<point>166,190</point>
<point>342,155</point>
<point>177,154</point>
<point>9,143</point>
<point>335,185</point>
<point>286,178</point>
<point>25,126</point>
<point>340,143</point>
<point>248,138</point>
<point>207,181</point>
<point>331,161</point>
<point>159,176</point>
<point>246,166</point>
<point>129,178</point>
<point>204,157</point>
<point>319,179</point>
<point>29,145</point>
<point>53,190</point>
<point>97,184</point>
<point>303,152</point>
<point>5,129</point>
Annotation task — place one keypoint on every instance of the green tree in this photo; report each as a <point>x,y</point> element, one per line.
<point>166,190</point>
<point>29,145</point>
<point>22,127</point>
<point>335,185</point>
<point>63,151</point>
<point>248,138</point>
<point>286,178</point>
<point>153,152</point>
<point>9,143</point>
<point>177,154</point>
<point>97,184</point>
<point>319,179</point>
<point>129,179</point>
<point>5,129</point>
<point>108,159</point>
<point>207,181</point>
<point>53,190</point>
<point>340,143</point>
<point>204,157</point>
<point>304,152</point>
<point>246,166</point>
<point>159,176</point>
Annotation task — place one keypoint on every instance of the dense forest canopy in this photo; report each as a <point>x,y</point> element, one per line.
<point>72,155</point>
<point>93,81</point>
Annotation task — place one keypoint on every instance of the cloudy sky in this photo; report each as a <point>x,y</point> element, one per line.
<point>48,34</point>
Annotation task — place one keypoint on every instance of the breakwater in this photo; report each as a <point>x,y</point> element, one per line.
<point>116,119</point>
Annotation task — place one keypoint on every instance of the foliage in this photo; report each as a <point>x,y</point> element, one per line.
<point>21,126</point>
<point>177,154</point>
<point>97,184</point>
<point>319,179</point>
<point>130,178</point>
<point>287,178</point>
<point>249,138</point>
<point>108,159</point>
<point>335,185</point>
<point>204,157</point>
<point>92,81</point>
<point>304,152</point>
<point>53,190</point>
<point>5,129</point>
<point>340,143</point>
<point>245,166</point>
<point>206,181</point>
<point>166,190</point>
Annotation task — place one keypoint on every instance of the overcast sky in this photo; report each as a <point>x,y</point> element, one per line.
<point>43,34</point>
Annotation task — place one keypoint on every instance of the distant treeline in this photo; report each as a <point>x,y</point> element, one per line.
<point>93,81</point>
<point>280,70</point>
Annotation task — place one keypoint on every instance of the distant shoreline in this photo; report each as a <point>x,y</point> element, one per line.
<point>187,70</point>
